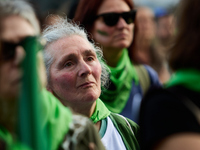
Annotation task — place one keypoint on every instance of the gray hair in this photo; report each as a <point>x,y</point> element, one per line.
<point>22,9</point>
<point>65,28</point>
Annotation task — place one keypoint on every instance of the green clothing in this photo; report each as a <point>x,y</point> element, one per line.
<point>130,139</point>
<point>55,121</point>
<point>100,113</point>
<point>188,78</point>
<point>6,137</point>
<point>121,78</point>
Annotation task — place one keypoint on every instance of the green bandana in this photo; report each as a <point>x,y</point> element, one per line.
<point>10,143</point>
<point>101,112</point>
<point>121,77</point>
<point>189,78</point>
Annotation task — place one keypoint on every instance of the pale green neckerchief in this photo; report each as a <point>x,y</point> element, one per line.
<point>122,77</point>
<point>100,113</point>
<point>189,78</point>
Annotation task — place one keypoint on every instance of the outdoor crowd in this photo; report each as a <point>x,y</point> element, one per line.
<point>116,76</point>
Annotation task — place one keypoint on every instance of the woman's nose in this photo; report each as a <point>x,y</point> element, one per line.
<point>19,55</point>
<point>121,22</point>
<point>84,69</point>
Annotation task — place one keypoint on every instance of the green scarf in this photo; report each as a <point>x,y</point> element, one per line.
<point>10,143</point>
<point>189,78</point>
<point>121,77</point>
<point>100,113</point>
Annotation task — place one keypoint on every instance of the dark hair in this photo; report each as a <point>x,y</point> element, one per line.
<point>87,10</point>
<point>185,52</point>
<point>0,51</point>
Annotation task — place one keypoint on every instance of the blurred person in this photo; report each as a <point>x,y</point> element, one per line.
<point>170,116</point>
<point>75,74</point>
<point>165,31</point>
<point>145,49</point>
<point>165,25</point>
<point>111,24</point>
<point>19,29</point>
<point>145,33</point>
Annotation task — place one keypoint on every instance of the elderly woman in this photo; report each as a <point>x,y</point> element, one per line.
<point>75,74</point>
<point>59,128</point>
<point>111,24</point>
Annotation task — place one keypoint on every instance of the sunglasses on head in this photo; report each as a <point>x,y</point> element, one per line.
<point>111,19</point>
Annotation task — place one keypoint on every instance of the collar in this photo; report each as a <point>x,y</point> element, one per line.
<point>100,113</point>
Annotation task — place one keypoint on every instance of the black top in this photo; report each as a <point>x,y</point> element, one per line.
<point>164,112</point>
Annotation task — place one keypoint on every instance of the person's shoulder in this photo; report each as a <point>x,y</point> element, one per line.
<point>157,102</point>
<point>128,130</point>
<point>148,77</point>
<point>168,95</point>
<point>164,113</point>
<point>124,124</point>
<point>158,94</point>
<point>123,120</point>
<point>153,75</point>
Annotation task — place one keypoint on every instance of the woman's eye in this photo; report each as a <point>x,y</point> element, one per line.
<point>90,58</point>
<point>68,64</point>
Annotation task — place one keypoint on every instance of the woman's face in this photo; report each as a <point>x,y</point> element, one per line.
<point>14,29</point>
<point>145,23</point>
<point>75,72</point>
<point>118,36</point>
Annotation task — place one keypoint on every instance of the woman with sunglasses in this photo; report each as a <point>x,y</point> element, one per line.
<point>111,24</point>
<point>59,128</point>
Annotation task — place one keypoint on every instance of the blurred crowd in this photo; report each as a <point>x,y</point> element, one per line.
<point>154,29</point>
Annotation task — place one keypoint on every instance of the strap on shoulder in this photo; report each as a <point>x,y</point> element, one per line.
<point>143,77</point>
<point>126,122</point>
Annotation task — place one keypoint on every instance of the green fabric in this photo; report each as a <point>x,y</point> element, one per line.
<point>55,120</point>
<point>130,140</point>
<point>30,129</point>
<point>11,145</point>
<point>100,113</point>
<point>189,78</point>
<point>122,77</point>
